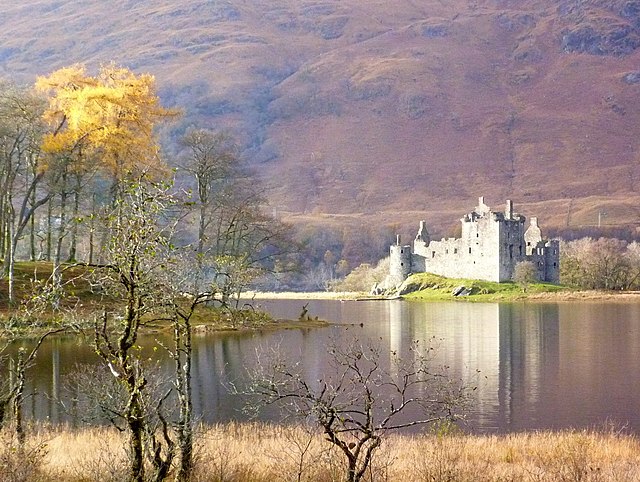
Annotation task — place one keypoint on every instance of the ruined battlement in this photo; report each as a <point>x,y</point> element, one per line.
<point>490,246</point>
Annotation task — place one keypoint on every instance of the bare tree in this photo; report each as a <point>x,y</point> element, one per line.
<point>633,259</point>
<point>146,276</point>
<point>212,161</point>
<point>139,248</point>
<point>157,281</point>
<point>361,400</point>
<point>236,241</point>
<point>604,263</point>
<point>21,170</point>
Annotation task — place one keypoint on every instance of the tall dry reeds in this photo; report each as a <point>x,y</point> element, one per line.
<point>254,452</point>
<point>21,462</point>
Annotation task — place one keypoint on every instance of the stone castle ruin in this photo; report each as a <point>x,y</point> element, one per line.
<point>491,245</point>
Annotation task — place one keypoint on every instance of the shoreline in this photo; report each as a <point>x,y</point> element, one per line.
<point>303,295</point>
<point>556,296</point>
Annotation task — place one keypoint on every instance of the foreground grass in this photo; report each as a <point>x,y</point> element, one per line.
<point>259,452</point>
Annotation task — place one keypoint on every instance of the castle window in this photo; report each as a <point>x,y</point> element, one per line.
<point>555,265</point>
<point>446,251</point>
<point>520,250</point>
<point>455,250</point>
<point>401,264</point>
<point>401,251</point>
<point>477,235</point>
<point>469,249</point>
<point>433,254</point>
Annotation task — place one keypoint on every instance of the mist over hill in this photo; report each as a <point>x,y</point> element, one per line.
<point>381,113</point>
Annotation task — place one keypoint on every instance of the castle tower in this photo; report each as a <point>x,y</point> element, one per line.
<point>399,262</point>
<point>510,242</point>
<point>532,236</point>
<point>552,261</point>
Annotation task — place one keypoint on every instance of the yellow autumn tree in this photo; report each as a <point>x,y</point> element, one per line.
<point>109,117</point>
<point>97,123</point>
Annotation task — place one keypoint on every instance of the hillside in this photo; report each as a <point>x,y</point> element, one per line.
<point>383,112</point>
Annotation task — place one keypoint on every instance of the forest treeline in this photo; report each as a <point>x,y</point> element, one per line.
<point>69,143</point>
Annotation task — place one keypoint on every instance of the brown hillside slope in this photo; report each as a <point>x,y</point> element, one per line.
<point>357,110</point>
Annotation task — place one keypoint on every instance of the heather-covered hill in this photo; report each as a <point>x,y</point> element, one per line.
<point>355,111</point>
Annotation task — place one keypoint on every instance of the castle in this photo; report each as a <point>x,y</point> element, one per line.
<point>491,245</point>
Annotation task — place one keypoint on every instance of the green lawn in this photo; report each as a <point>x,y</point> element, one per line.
<point>430,287</point>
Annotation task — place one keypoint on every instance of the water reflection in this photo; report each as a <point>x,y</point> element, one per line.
<point>529,355</point>
<point>536,366</point>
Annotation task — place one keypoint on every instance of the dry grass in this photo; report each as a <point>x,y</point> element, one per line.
<point>259,452</point>
<point>586,295</point>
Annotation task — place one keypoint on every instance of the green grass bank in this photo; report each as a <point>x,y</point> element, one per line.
<point>431,287</point>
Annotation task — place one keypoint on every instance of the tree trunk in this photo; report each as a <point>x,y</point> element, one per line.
<point>183,375</point>
<point>11,256</point>
<point>56,276</point>
<point>92,227</point>
<point>136,431</point>
<point>32,225</point>
<point>134,413</point>
<point>18,395</point>
<point>202,228</point>
<point>49,229</point>
<point>4,219</point>
<point>74,225</point>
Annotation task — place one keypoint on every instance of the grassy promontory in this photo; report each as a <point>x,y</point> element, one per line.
<point>82,302</point>
<point>256,452</point>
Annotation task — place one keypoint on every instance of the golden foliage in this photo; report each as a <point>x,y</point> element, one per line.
<point>112,115</point>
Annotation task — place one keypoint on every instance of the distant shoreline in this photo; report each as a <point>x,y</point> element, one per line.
<point>307,295</point>
<point>568,295</point>
<point>586,295</point>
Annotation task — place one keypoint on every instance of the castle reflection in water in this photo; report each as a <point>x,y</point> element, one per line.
<point>541,365</point>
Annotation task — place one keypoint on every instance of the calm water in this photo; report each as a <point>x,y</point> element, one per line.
<point>541,365</point>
